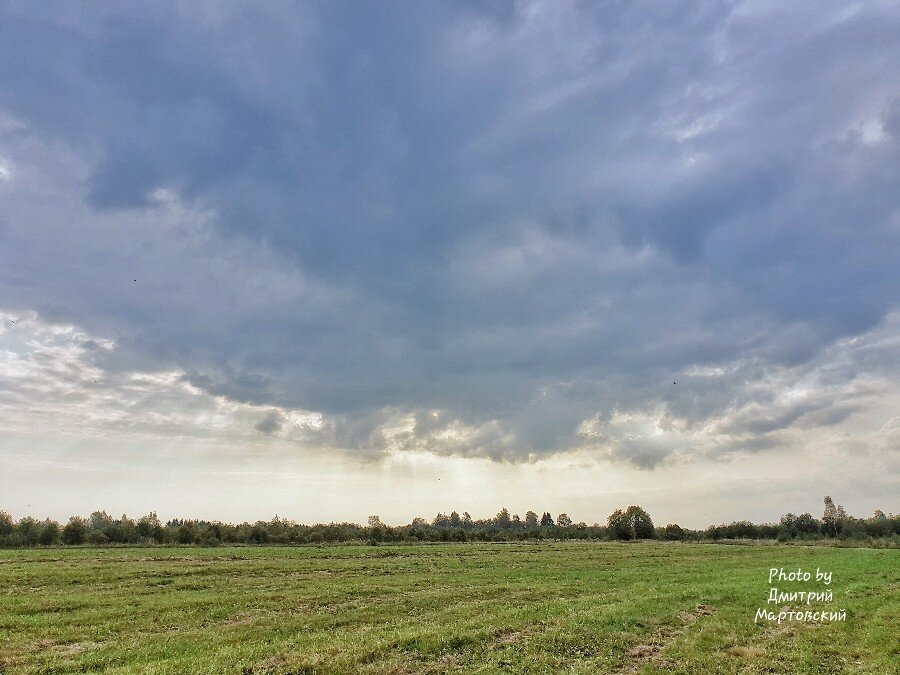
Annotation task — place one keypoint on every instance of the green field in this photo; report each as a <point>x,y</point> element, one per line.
<point>496,608</point>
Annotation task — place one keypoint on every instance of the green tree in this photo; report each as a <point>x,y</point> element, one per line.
<point>502,519</point>
<point>27,527</point>
<point>793,525</point>
<point>833,519</point>
<point>149,527</point>
<point>563,520</point>
<point>7,525</point>
<point>49,533</point>
<point>75,531</point>
<point>8,534</point>
<point>185,534</point>
<point>640,521</point>
<point>29,531</point>
<point>531,520</point>
<point>673,532</point>
<point>546,520</point>
<point>633,523</point>
<point>259,533</point>
<point>100,520</point>
<point>617,526</point>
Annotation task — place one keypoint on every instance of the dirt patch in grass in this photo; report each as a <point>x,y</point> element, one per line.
<point>240,620</point>
<point>654,652</point>
<point>74,648</point>
<point>63,648</point>
<point>509,637</point>
<point>644,651</point>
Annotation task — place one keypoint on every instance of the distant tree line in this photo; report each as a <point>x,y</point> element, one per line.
<point>834,524</point>
<point>631,524</point>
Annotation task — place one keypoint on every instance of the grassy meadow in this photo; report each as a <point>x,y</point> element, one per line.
<point>468,608</point>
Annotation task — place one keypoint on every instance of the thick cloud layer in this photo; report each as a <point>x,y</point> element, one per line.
<point>477,229</point>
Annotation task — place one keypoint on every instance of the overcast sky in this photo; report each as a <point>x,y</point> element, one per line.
<point>330,259</point>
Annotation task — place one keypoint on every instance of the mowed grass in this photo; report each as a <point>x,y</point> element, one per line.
<point>495,608</point>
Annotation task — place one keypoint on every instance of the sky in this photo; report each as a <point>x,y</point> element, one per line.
<point>328,260</point>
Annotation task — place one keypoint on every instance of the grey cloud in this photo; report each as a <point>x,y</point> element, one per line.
<point>271,423</point>
<point>520,216</point>
<point>643,454</point>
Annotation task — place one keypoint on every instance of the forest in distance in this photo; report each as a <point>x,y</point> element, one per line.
<point>633,523</point>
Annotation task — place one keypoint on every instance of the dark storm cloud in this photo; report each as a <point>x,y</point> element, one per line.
<point>520,215</point>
